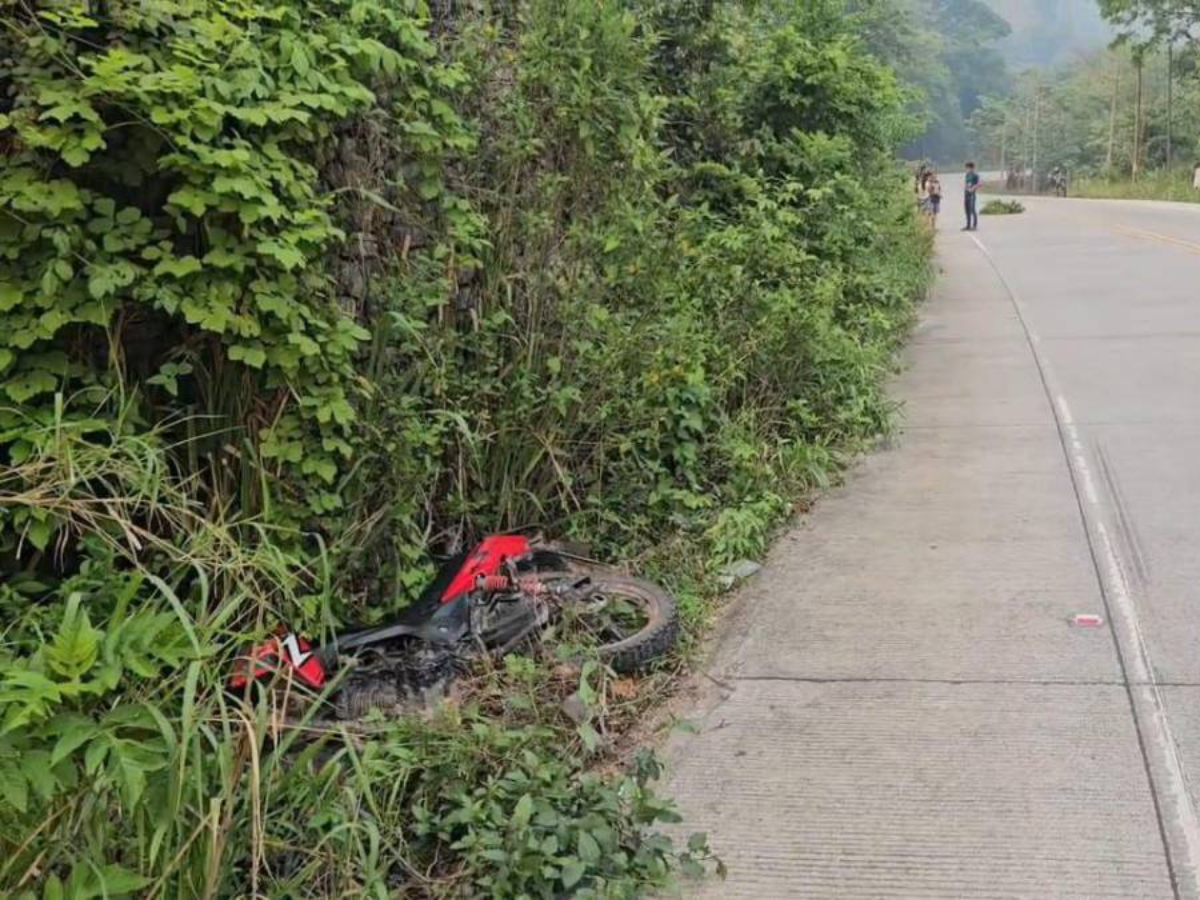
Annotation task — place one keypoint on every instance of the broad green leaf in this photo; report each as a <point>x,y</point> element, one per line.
<point>40,531</point>
<point>287,255</point>
<point>10,296</point>
<point>29,384</point>
<point>590,737</point>
<point>76,645</point>
<point>253,356</point>
<point>692,868</point>
<point>28,695</point>
<point>36,767</point>
<point>589,850</point>
<point>97,313</point>
<point>14,789</point>
<point>132,778</point>
<point>321,466</point>
<point>76,156</point>
<point>167,377</point>
<point>572,872</point>
<point>342,411</point>
<point>226,259</point>
<point>299,59</point>
<point>522,812</point>
<point>178,267</point>
<point>53,889</point>
<point>193,200</point>
<point>52,198</point>
<point>106,280</point>
<point>73,732</point>
<point>115,880</point>
<point>97,752</point>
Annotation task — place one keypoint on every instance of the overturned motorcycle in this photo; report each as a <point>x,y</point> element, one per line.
<point>504,594</point>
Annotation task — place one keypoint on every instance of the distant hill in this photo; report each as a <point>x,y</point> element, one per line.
<point>1047,32</point>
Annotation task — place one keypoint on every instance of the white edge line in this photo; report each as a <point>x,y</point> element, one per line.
<point>1141,670</point>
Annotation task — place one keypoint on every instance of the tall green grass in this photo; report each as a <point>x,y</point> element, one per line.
<point>127,769</point>
<point>1158,185</point>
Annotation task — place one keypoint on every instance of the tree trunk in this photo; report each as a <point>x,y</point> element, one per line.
<point>1112,115</point>
<point>1037,116</point>
<point>1170,105</point>
<point>1137,126</point>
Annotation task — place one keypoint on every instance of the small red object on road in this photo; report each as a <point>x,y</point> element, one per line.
<point>1087,620</point>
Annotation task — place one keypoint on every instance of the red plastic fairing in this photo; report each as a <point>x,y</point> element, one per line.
<point>264,659</point>
<point>486,559</point>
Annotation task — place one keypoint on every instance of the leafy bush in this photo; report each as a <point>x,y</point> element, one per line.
<point>293,294</point>
<point>1002,208</point>
<point>165,228</point>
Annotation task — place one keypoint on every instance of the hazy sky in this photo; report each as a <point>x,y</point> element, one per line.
<point>1050,31</point>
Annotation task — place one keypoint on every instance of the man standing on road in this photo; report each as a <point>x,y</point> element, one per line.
<point>969,197</point>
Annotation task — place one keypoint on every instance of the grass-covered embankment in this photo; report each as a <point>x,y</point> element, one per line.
<point>1172,186</point>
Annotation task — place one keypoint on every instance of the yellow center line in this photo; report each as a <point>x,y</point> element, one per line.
<point>1189,246</point>
<point>1129,231</point>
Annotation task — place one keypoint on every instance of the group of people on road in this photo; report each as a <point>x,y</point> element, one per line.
<point>929,194</point>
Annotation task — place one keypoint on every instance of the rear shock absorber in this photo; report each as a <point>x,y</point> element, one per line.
<point>494,584</point>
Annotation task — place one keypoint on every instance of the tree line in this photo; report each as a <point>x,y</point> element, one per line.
<point>947,54</point>
<point>1122,112</point>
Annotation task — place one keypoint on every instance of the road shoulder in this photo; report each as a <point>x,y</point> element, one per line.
<point>900,707</point>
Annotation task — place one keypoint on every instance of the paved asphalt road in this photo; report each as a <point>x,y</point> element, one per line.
<point>900,706</point>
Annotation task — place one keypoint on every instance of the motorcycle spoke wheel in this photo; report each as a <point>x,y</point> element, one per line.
<point>626,622</point>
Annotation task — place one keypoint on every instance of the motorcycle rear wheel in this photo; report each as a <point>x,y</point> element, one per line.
<point>629,623</point>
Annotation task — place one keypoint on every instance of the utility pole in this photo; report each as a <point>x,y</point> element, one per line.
<point>1137,121</point>
<point>1170,105</point>
<point>1112,115</point>
<point>1026,143</point>
<point>1004,146</point>
<point>1037,115</point>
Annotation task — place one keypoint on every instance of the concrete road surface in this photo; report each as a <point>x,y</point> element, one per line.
<point>901,705</point>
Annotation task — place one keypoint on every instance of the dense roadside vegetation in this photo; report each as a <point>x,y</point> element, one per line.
<point>294,294</point>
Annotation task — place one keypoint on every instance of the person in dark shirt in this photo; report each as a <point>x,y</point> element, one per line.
<point>970,196</point>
